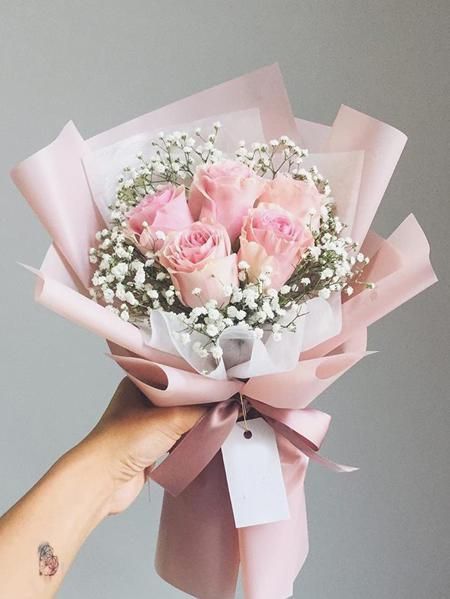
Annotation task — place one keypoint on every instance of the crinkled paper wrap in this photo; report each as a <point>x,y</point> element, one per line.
<point>69,184</point>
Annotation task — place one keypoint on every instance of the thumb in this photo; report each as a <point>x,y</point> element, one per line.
<point>176,421</point>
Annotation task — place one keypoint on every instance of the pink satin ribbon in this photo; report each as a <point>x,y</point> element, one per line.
<point>199,548</point>
<point>305,429</point>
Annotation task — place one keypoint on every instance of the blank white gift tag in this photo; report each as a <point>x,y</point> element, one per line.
<point>255,479</point>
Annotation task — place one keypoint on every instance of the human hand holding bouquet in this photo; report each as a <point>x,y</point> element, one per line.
<point>242,277</point>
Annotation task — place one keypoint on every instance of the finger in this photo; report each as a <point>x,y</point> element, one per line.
<point>181,419</point>
<point>128,401</point>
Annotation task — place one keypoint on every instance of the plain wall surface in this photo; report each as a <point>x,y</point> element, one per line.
<point>381,533</point>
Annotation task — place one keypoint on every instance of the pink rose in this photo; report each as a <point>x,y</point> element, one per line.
<point>224,192</point>
<point>299,197</point>
<point>198,258</point>
<point>273,237</point>
<point>165,211</point>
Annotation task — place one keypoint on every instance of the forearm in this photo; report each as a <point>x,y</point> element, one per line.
<point>60,510</point>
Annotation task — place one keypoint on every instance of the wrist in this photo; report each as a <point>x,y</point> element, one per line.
<point>89,465</point>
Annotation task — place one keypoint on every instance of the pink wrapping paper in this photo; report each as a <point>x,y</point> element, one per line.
<point>199,549</point>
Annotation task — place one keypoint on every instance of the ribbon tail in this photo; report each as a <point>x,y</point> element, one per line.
<point>273,554</point>
<point>196,449</point>
<point>198,549</point>
<point>305,429</point>
<point>310,449</point>
<point>323,461</point>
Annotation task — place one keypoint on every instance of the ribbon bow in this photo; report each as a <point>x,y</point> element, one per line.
<point>305,429</point>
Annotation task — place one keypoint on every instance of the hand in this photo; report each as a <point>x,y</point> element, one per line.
<point>131,436</point>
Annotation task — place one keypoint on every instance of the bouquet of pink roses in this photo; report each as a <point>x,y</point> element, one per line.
<point>231,260</point>
<point>239,275</point>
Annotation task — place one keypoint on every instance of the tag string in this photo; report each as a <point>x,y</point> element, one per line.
<point>244,411</point>
<point>247,433</point>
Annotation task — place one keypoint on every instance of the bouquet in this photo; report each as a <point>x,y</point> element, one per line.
<point>229,262</point>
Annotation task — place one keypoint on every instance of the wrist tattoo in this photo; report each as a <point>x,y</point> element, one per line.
<point>48,562</point>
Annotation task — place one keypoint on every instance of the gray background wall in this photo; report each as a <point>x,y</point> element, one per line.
<point>380,533</point>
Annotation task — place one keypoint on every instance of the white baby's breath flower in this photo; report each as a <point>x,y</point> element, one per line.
<point>212,330</point>
<point>214,314</point>
<point>315,251</point>
<point>258,332</point>
<point>120,292</point>
<point>324,293</point>
<point>232,311</point>
<point>105,244</point>
<point>130,298</point>
<point>108,295</point>
<point>196,291</point>
<point>120,270</point>
<point>236,297</point>
<point>198,311</point>
<point>268,310</point>
<point>265,279</point>
<point>216,352</point>
<point>327,273</point>
<point>139,277</point>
